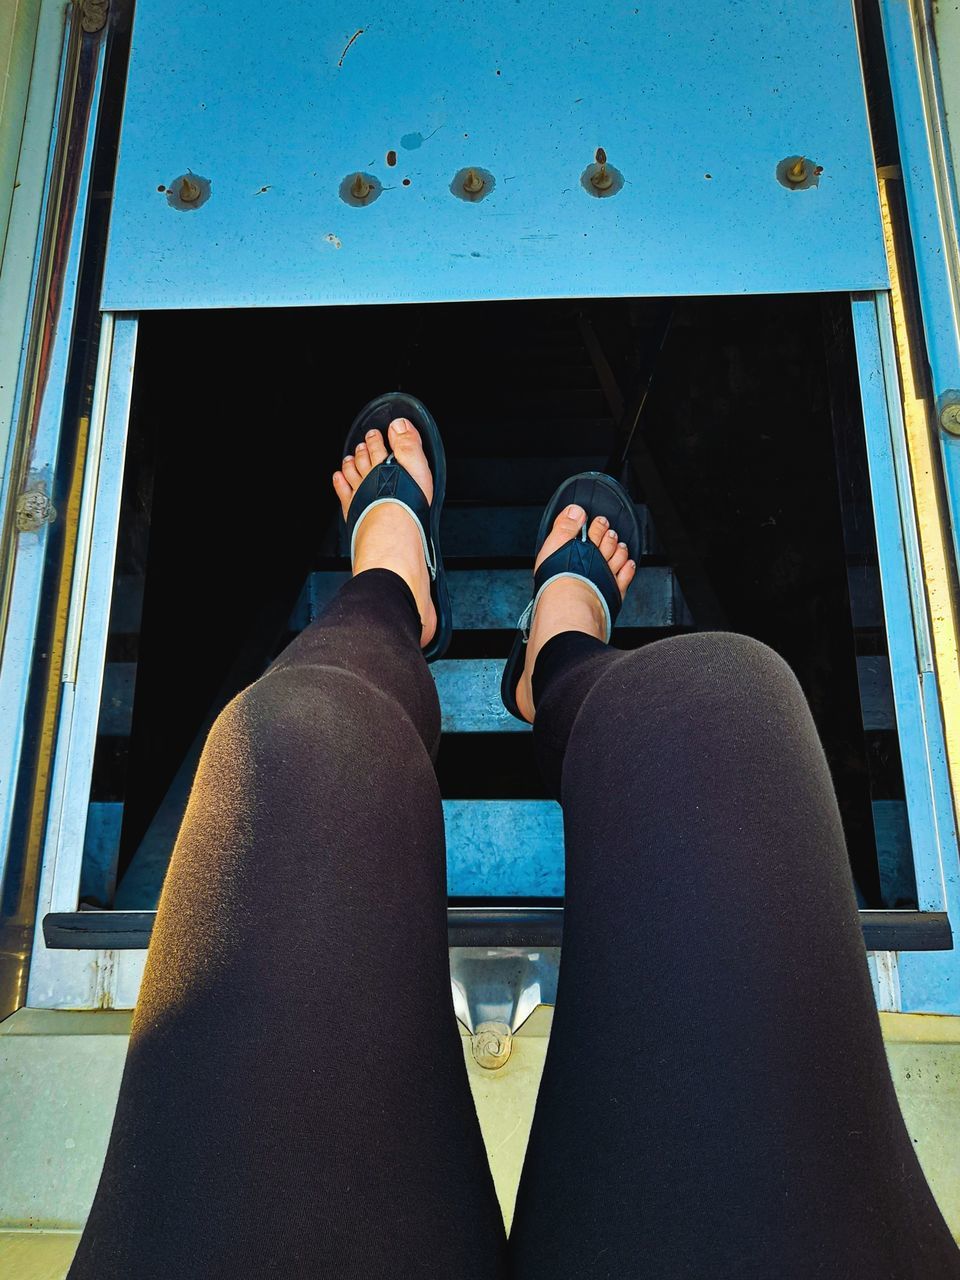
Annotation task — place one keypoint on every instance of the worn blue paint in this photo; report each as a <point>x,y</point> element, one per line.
<point>696,107</point>
<point>101,849</point>
<point>495,848</point>
<point>493,599</point>
<point>469,691</point>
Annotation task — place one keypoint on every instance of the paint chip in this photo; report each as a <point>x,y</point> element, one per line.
<point>334,240</point>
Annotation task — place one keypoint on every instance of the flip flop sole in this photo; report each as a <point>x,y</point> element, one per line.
<point>378,414</point>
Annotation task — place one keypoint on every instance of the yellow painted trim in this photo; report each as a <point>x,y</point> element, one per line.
<point>26,902</point>
<point>68,1022</point>
<point>920,1028</point>
<point>929,502</point>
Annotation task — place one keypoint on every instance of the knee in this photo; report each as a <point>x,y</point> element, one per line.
<point>730,657</point>
<point>723,670</point>
<point>319,718</point>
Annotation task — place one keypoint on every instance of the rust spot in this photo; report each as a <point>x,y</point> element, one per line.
<point>406,182</point>
<point>391,158</point>
<point>161,187</point>
<point>600,156</point>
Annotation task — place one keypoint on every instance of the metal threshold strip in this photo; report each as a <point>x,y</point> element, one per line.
<point>481,926</point>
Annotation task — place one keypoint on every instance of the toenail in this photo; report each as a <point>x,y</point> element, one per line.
<point>602,520</point>
<point>360,446</point>
<point>574,512</point>
<point>622,544</point>
<point>348,458</point>
<point>611,533</point>
<point>371,433</point>
<point>399,425</point>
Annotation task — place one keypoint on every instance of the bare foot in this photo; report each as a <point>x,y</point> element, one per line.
<point>569,605</point>
<point>389,537</point>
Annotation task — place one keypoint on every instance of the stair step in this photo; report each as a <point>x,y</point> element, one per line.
<point>491,532</point>
<point>514,481</point>
<point>876,693</point>
<point>469,692</point>
<point>495,849</point>
<point>470,696</point>
<point>493,599</point>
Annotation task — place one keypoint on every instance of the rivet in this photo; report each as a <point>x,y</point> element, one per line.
<point>189,190</point>
<point>798,170</point>
<point>799,173</point>
<point>950,418</point>
<point>492,1045</point>
<point>600,178</point>
<point>472,184</point>
<point>360,189</point>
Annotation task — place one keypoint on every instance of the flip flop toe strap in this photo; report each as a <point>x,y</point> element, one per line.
<point>389,482</point>
<point>581,560</point>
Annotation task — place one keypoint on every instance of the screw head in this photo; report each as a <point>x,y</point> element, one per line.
<point>189,190</point>
<point>798,170</point>
<point>473,182</point>
<point>492,1045</point>
<point>950,418</point>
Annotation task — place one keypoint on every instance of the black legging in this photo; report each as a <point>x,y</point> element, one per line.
<point>716,1100</point>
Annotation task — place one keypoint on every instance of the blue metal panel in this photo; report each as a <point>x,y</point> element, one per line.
<point>928,982</point>
<point>697,107</point>
<point>903,611</point>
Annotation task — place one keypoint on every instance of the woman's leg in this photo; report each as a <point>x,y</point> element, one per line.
<point>716,1100</point>
<point>295,1101</point>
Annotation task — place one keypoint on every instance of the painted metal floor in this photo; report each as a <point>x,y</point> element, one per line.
<point>64,1071</point>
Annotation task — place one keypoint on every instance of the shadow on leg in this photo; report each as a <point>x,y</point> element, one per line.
<point>716,1100</point>
<point>295,1101</point>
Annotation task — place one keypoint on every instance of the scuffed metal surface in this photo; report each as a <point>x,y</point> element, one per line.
<point>695,105</point>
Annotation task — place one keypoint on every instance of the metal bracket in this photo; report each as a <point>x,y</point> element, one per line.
<point>495,989</point>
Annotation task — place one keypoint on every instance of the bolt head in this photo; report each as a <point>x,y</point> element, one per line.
<point>492,1045</point>
<point>950,418</point>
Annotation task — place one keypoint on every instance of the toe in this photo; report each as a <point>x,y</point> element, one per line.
<point>608,544</point>
<point>349,469</point>
<point>407,446</point>
<point>376,447</point>
<point>566,526</point>
<point>625,576</point>
<point>569,521</point>
<point>361,456</point>
<point>621,555</point>
<point>597,530</point>
<point>342,489</point>
<point>403,436</point>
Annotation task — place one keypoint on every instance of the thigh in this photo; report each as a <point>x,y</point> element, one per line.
<point>716,1100</point>
<point>295,1100</point>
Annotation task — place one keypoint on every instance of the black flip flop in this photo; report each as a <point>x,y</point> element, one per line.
<point>390,482</point>
<point>598,495</point>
